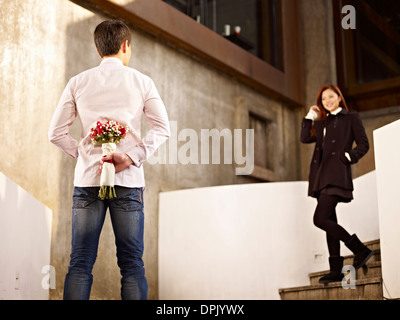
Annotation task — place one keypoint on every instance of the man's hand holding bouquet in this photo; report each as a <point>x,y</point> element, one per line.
<point>108,135</point>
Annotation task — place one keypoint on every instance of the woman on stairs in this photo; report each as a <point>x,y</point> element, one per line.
<point>333,129</point>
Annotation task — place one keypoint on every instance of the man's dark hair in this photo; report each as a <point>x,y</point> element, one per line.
<point>109,35</point>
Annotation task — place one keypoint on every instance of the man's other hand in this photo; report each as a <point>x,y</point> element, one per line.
<point>121,161</point>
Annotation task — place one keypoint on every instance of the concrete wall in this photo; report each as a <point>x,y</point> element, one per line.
<point>387,158</point>
<point>247,241</point>
<point>25,238</point>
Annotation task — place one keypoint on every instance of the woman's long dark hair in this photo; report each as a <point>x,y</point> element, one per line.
<point>342,103</point>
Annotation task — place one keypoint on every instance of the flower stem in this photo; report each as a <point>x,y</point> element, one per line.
<point>107,192</point>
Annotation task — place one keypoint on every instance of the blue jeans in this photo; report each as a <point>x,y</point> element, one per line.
<point>127,218</point>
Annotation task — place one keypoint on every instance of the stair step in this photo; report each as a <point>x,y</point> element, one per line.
<point>368,285</point>
<point>348,260</point>
<point>373,244</point>
<point>365,289</point>
<point>372,270</point>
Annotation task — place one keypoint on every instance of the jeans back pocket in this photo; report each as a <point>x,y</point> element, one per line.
<point>129,198</point>
<point>83,196</point>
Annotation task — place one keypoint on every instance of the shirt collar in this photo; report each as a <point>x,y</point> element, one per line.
<point>336,111</point>
<point>111,60</point>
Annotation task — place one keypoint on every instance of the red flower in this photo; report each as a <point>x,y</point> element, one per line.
<point>123,132</point>
<point>99,128</point>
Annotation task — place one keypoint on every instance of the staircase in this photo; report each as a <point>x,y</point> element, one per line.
<point>367,286</point>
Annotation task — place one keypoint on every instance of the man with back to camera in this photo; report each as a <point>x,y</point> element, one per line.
<point>111,91</point>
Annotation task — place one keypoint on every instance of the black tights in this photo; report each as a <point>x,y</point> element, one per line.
<point>325,219</point>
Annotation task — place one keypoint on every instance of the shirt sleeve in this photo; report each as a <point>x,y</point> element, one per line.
<point>159,129</point>
<point>312,115</point>
<point>61,123</point>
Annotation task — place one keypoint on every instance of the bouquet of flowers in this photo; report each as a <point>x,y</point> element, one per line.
<point>108,135</point>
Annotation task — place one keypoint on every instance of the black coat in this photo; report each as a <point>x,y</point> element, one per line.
<point>329,166</point>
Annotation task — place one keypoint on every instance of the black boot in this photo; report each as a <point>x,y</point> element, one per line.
<point>335,274</point>
<point>361,252</point>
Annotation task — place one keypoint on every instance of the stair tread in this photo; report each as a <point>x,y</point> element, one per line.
<point>375,252</point>
<point>359,282</point>
<point>376,241</point>
<point>372,242</point>
<point>374,264</point>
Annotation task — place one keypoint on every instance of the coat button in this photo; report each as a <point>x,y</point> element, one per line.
<point>333,153</point>
<point>333,141</point>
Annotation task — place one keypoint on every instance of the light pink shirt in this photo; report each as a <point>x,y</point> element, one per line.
<point>110,91</point>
